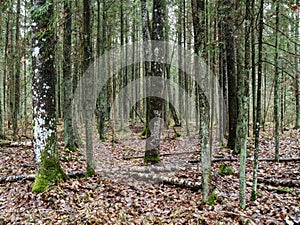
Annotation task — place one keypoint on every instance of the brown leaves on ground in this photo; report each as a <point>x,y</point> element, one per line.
<point>120,199</point>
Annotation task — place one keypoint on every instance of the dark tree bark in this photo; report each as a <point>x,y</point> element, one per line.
<point>180,55</point>
<point>258,104</point>
<point>101,101</point>
<point>146,50</point>
<point>229,28</point>
<point>253,63</point>
<point>155,104</point>
<point>16,103</point>
<point>44,107</point>
<point>222,76</point>
<point>88,86</point>
<point>276,85</point>
<point>1,49</point>
<point>67,76</point>
<point>297,76</point>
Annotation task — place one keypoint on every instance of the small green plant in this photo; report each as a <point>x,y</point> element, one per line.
<point>225,170</point>
<point>215,197</point>
<point>177,134</point>
<point>127,149</point>
<point>103,139</point>
<point>144,133</point>
<point>282,190</point>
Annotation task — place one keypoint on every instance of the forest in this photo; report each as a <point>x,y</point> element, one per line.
<point>149,112</point>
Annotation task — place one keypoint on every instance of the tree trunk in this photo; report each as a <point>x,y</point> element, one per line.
<point>2,65</point>
<point>253,63</point>
<point>243,104</point>
<point>180,56</point>
<point>44,107</point>
<point>297,77</point>
<point>184,61</point>
<point>155,103</point>
<point>88,87</point>
<point>103,92</point>
<point>6,59</point>
<point>16,106</point>
<point>276,86</point>
<point>67,76</point>
<point>258,104</point>
<point>146,51</point>
<point>231,72</point>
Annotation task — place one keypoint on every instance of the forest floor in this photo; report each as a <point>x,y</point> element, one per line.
<point>125,191</point>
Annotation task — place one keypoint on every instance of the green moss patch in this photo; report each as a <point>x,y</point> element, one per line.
<point>151,159</point>
<point>225,170</point>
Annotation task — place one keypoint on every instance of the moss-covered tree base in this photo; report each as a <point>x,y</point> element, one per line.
<point>50,171</point>
<point>71,149</point>
<point>151,159</point>
<point>90,171</point>
<point>45,177</point>
<point>103,139</point>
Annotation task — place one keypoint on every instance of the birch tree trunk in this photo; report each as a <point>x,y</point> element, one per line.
<point>44,107</point>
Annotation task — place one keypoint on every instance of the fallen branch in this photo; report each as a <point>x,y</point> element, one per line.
<point>31,177</point>
<point>10,179</point>
<point>278,182</point>
<point>153,169</point>
<point>273,182</point>
<point>27,144</point>
<point>250,159</point>
<point>166,154</point>
<point>168,180</point>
